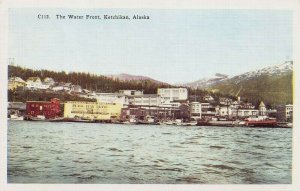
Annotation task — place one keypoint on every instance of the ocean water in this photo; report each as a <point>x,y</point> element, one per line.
<point>91,153</point>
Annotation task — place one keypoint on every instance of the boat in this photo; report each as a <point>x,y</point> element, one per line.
<point>131,121</point>
<point>284,125</point>
<point>78,119</point>
<point>148,121</point>
<point>34,118</point>
<point>261,121</point>
<point>15,117</point>
<point>56,119</point>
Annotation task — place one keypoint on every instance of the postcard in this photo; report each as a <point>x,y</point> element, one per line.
<point>150,96</point>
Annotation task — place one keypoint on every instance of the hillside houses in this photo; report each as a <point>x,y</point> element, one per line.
<point>36,83</point>
<point>16,82</point>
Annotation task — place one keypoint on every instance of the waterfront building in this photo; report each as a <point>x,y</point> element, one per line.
<point>16,108</point>
<point>195,110</point>
<point>169,95</point>
<point>109,98</point>
<point>16,82</point>
<point>289,111</point>
<point>144,100</point>
<point>141,113</point>
<point>36,83</point>
<point>226,111</point>
<point>262,109</point>
<point>92,110</point>
<point>49,109</point>
<point>208,110</point>
<point>285,112</point>
<point>131,92</point>
<point>247,112</point>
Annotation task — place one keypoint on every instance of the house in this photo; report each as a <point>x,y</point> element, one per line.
<point>208,98</point>
<point>49,109</point>
<point>62,87</point>
<point>169,95</point>
<point>49,81</point>
<point>225,101</point>
<point>58,88</point>
<point>16,82</point>
<point>76,88</point>
<point>67,86</point>
<point>36,83</point>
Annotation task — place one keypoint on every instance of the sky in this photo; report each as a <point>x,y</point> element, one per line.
<point>173,46</point>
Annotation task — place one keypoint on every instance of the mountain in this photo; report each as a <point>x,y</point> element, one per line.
<point>129,77</point>
<point>273,85</point>
<point>206,82</point>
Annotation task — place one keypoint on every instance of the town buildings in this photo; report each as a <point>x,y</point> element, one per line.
<point>166,104</point>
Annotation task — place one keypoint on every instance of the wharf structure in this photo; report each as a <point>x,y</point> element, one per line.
<point>95,111</point>
<point>48,109</point>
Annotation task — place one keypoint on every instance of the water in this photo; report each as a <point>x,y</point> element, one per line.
<point>45,152</point>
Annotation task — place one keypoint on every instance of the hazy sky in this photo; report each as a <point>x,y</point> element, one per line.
<point>173,46</point>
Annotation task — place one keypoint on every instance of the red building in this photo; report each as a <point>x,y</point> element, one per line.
<point>49,109</point>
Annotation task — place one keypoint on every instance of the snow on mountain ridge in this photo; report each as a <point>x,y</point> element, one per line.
<point>270,70</point>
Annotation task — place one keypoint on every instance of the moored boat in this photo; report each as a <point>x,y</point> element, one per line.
<point>261,122</point>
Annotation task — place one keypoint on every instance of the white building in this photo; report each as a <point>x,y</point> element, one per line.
<point>208,109</point>
<point>145,100</point>
<point>208,98</point>
<point>49,81</point>
<point>169,95</point>
<point>131,92</point>
<point>35,83</point>
<point>262,109</point>
<point>76,88</point>
<point>247,112</point>
<point>289,111</point>
<point>225,111</point>
<point>195,110</point>
<point>58,88</point>
<point>111,98</point>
